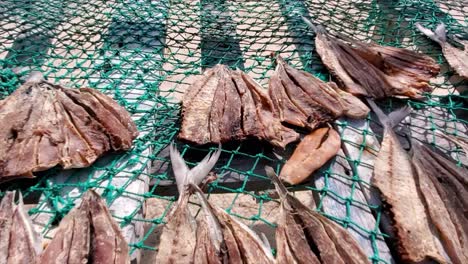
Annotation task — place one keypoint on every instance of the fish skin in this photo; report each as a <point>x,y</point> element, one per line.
<point>445,210</point>
<point>305,236</point>
<point>25,242</point>
<point>311,153</point>
<point>457,59</point>
<point>7,209</point>
<point>394,176</point>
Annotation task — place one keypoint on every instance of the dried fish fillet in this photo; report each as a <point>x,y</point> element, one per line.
<point>87,234</point>
<point>45,125</point>
<point>375,71</point>
<point>310,154</point>
<point>19,242</point>
<point>438,179</point>
<point>305,101</point>
<point>233,241</point>
<point>394,176</point>
<point>457,58</point>
<point>305,236</point>
<point>226,105</point>
<point>179,237</point>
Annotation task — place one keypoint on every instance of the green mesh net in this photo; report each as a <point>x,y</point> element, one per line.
<point>144,54</point>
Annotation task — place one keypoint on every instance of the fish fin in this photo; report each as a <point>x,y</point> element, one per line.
<point>393,119</point>
<point>179,167</point>
<point>399,115</point>
<point>35,76</point>
<point>319,29</point>
<point>199,172</point>
<point>279,186</point>
<point>437,36</point>
<point>441,33</point>
<point>265,240</point>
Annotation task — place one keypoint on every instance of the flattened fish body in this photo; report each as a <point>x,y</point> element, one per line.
<point>394,177</point>
<point>45,125</point>
<point>178,240</point>
<point>87,234</point>
<point>375,71</point>
<point>305,236</point>
<point>447,212</point>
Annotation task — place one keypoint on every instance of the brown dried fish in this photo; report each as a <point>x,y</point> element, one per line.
<point>394,176</point>
<point>457,58</point>
<point>45,125</point>
<point>305,101</point>
<point>310,154</point>
<point>438,180</point>
<point>226,105</point>
<point>372,70</point>
<point>87,234</point>
<point>19,242</point>
<point>305,236</point>
<point>178,239</point>
<point>229,240</point>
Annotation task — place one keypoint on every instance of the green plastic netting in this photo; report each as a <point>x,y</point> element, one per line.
<point>145,53</point>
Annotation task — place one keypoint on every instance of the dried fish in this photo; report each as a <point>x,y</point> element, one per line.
<point>87,234</point>
<point>226,105</point>
<point>178,239</point>
<point>305,236</point>
<point>394,176</point>
<point>19,242</point>
<point>310,154</point>
<point>45,125</point>
<point>457,58</point>
<point>375,71</point>
<point>438,180</point>
<point>232,241</point>
<point>305,101</point>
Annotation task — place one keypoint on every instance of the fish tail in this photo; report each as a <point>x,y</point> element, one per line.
<point>391,120</point>
<point>319,29</point>
<point>438,35</point>
<point>185,176</point>
<point>279,186</point>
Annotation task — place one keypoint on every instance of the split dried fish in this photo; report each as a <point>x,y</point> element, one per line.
<point>375,71</point>
<point>228,240</point>
<point>87,234</point>
<point>45,125</point>
<point>19,242</point>
<point>179,236</point>
<point>457,58</point>
<point>226,105</point>
<point>305,101</point>
<point>305,236</point>
<point>438,180</point>
<point>310,154</point>
<point>394,176</point>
